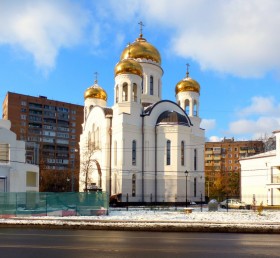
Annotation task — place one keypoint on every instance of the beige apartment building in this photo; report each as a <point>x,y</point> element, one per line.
<point>222,167</point>
<point>51,130</point>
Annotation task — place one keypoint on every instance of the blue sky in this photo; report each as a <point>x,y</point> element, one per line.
<point>53,48</point>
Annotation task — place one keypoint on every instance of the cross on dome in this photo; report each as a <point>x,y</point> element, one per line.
<point>141,28</point>
<point>96,77</point>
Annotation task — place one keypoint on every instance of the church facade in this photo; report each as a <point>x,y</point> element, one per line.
<point>143,148</point>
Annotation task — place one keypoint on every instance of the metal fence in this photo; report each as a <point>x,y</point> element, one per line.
<point>53,204</point>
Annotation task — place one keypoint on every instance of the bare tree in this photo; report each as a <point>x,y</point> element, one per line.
<point>87,164</point>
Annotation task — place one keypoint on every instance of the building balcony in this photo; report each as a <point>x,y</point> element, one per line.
<point>209,152</point>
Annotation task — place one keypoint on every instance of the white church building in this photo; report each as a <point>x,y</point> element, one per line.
<point>143,148</point>
<point>260,177</point>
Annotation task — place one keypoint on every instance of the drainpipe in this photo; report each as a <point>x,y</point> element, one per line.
<point>143,141</point>
<point>155,164</point>
<point>110,156</point>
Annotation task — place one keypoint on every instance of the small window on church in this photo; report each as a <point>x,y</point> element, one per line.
<point>195,159</point>
<point>195,108</point>
<point>134,92</point>
<point>117,94</point>
<point>133,185</point>
<point>182,153</point>
<point>168,152</point>
<point>151,85</point>
<point>187,106</point>
<point>133,152</point>
<point>125,92</point>
<point>4,153</point>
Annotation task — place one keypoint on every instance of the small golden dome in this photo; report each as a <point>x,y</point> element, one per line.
<point>95,91</point>
<point>128,66</point>
<point>140,48</point>
<point>187,84</point>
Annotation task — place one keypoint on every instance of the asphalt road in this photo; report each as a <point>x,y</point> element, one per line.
<point>40,243</point>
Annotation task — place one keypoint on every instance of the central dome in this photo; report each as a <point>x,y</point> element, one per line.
<point>140,48</point>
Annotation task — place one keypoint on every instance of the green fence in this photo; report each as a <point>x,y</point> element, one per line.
<point>53,204</point>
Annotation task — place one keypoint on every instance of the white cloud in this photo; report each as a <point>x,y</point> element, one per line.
<point>208,124</point>
<point>235,36</point>
<point>41,28</point>
<point>257,128</point>
<point>215,139</point>
<point>261,106</point>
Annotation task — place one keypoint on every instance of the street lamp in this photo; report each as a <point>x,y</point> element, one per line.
<point>186,173</point>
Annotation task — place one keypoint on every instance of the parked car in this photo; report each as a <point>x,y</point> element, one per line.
<point>233,204</point>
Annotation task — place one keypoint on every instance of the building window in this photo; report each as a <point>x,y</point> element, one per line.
<point>151,85</point>
<point>168,152</point>
<point>133,185</point>
<point>23,117</point>
<point>195,159</point>
<point>23,103</point>
<point>182,153</point>
<point>4,153</point>
<point>194,187</point>
<point>134,92</point>
<point>133,152</point>
<point>117,94</point>
<point>125,92</point>
<point>195,108</point>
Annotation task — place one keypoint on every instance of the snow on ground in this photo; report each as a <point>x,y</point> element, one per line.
<point>117,215</point>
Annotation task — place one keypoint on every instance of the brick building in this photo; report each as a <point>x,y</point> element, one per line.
<point>52,131</point>
<point>222,167</point>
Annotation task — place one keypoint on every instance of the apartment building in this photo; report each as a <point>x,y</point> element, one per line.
<point>222,167</point>
<point>51,130</point>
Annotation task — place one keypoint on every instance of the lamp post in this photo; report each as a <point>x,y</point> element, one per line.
<point>186,173</point>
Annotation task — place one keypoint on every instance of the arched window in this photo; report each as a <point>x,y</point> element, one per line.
<point>134,92</point>
<point>195,159</point>
<point>187,106</point>
<point>168,152</point>
<point>133,152</point>
<point>195,108</point>
<point>151,85</point>
<point>182,153</point>
<point>194,187</point>
<point>133,185</point>
<point>125,92</point>
<point>117,94</point>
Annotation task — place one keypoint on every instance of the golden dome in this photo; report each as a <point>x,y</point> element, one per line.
<point>95,91</point>
<point>128,66</point>
<point>140,48</point>
<point>187,84</point>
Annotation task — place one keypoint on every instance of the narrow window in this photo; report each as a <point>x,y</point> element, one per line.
<point>195,159</point>
<point>194,187</point>
<point>134,92</point>
<point>187,106</point>
<point>195,108</point>
<point>117,94</point>
<point>168,152</point>
<point>125,92</point>
<point>133,185</point>
<point>133,152</point>
<point>182,153</point>
<point>151,85</point>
